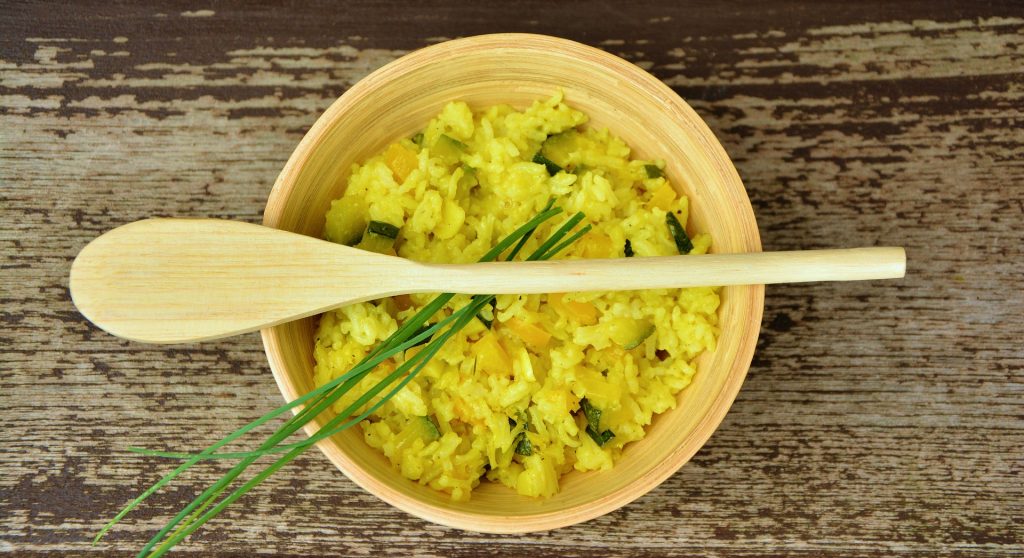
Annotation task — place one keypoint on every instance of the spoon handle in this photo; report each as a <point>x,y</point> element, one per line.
<point>850,264</point>
<point>181,280</point>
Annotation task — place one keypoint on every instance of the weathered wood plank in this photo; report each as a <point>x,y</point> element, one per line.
<point>878,419</point>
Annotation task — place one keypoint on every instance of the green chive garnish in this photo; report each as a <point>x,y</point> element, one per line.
<point>414,331</point>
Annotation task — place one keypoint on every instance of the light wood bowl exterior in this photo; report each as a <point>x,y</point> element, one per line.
<point>397,100</point>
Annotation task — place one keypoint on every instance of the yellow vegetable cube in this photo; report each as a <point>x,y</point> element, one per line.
<point>596,245</point>
<point>583,312</point>
<point>663,197</point>
<point>535,337</point>
<point>401,161</point>
<point>490,356</point>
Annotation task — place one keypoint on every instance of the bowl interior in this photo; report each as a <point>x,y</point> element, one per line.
<point>519,69</point>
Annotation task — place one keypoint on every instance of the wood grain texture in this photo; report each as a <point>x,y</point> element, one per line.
<point>878,419</point>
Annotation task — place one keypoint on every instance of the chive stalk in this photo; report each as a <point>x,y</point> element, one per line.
<point>414,331</point>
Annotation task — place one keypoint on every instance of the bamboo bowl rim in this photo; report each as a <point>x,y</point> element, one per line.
<point>672,106</point>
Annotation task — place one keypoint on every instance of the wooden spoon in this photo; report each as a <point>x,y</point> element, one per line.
<point>181,280</point>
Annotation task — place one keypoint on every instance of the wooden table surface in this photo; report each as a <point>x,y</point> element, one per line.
<point>878,419</point>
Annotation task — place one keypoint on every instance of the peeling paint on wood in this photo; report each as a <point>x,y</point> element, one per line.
<point>878,419</point>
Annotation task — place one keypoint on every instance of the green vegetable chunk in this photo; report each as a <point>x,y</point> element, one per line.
<point>346,220</point>
<point>523,445</point>
<point>630,333</point>
<point>602,438</point>
<point>417,138</point>
<point>428,429</point>
<point>522,441</point>
<point>469,178</point>
<point>653,171</point>
<point>593,415</point>
<point>683,243</point>
<point>379,237</point>
<point>561,149</point>
<point>383,229</point>
<point>448,149</point>
<point>540,159</point>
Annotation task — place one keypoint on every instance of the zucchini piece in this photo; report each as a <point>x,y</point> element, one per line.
<point>629,333</point>
<point>653,171</point>
<point>346,220</point>
<point>379,237</point>
<point>383,229</point>
<point>484,319</point>
<point>418,428</point>
<point>559,148</point>
<point>428,429</point>
<point>469,178</point>
<point>683,243</point>
<point>602,438</point>
<point>593,415</point>
<point>448,149</point>
<point>522,443</point>
<point>552,167</point>
<point>628,249</point>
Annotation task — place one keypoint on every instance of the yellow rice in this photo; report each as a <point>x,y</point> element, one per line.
<point>442,219</point>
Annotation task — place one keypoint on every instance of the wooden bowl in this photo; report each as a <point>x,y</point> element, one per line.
<point>396,101</point>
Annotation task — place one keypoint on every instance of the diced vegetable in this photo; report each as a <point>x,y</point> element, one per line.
<point>628,249</point>
<point>683,243</point>
<point>419,428</point>
<point>535,337</point>
<point>663,197</point>
<point>583,312</point>
<point>522,443</point>
<point>469,178</point>
<point>596,245</point>
<point>653,171</point>
<point>383,229</point>
<point>558,148</point>
<point>400,160</point>
<point>629,333</point>
<point>550,165</point>
<point>486,316</point>
<point>429,429</point>
<point>490,356</point>
<point>602,438</point>
<point>346,220</point>
<point>417,138</point>
<point>448,149</point>
<point>593,415</point>
<point>596,385</point>
<point>379,237</point>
